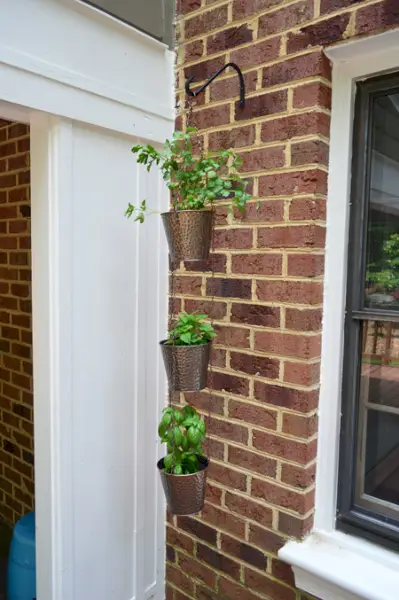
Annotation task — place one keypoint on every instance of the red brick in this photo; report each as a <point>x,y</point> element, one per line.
<point>318,34</point>
<point>307,209</point>
<point>229,288</point>
<point>190,286</point>
<point>198,529</point>
<point>226,476</point>
<point>214,309</point>
<point>238,239</point>
<point>300,477</point>
<point>268,540</point>
<point>256,54</point>
<point>307,65</point>
<point>223,520</point>
<point>232,138</point>
<point>313,181</point>
<point>252,461</point>
<point>294,292</point>
<point>185,6</point>
<point>215,448</point>
<point>305,265</point>
<point>287,128</point>
<point>284,448</point>
<point>17,130</point>
<point>255,365</point>
<point>302,373</point>
<point>212,19</point>
<point>243,8</point>
<point>294,526</point>
<point>23,145</point>
<point>193,51</point>
<point>303,319</point>
<point>21,290</point>
<point>249,509</point>
<point>327,6</point>
<point>19,258</point>
<point>272,589</point>
<point>229,383</point>
<point>244,552</point>
<point>232,336</point>
<point>216,263</point>
<point>203,70</point>
<point>377,16</point>
<point>218,561</point>
<point>206,402</point>
<point>212,117</point>
<point>7,149</point>
<point>283,572</point>
<point>285,18</point>
<point>255,314</point>
<point>257,264</point>
<point>263,159</point>
<point>300,236</point>
<point>251,413</point>
<point>300,400</point>
<point>280,496</point>
<point>229,38</point>
<point>18,195</point>
<point>197,570</point>
<point>228,87</point>
<point>230,590</point>
<point>304,153</point>
<point>228,431</point>
<point>268,210</point>
<point>177,577</point>
<point>287,344</point>
<point>262,105</point>
<point>312,94</point>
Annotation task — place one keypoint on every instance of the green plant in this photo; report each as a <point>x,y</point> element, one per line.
<point>184,433</point>
<point>384,274</point>
<point>194,182</point>
<point>191,329</point>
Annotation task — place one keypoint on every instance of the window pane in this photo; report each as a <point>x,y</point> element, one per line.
<point>378,446</point>
<point>382,258</point>
<point>382,456</point>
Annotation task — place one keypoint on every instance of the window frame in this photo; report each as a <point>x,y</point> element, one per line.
<point>351,517</point>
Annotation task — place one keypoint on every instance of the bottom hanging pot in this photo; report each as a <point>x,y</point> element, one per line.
<point>185,494</point>
<point>189,233</point>
<point>186,366</point>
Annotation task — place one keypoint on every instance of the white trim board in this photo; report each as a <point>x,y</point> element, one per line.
<point>328,564</point>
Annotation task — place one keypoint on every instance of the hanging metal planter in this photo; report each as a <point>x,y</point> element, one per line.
<point>189,233</point>
<point>186,366</point>
<point>185,494</point>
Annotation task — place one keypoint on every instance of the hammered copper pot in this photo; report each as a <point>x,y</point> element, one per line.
<point>186,366</point>
<point>189,233</point>
<point>185,494</point>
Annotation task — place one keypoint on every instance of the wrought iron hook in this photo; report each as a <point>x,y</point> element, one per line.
<point>203,87</point>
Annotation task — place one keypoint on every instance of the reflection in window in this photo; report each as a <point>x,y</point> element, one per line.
<point>382,260</point>
<point>378,472</point>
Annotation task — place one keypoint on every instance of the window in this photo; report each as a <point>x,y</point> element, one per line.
<point>368,495</point>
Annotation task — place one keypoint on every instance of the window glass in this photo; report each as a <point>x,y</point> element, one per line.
<point>382,257</point>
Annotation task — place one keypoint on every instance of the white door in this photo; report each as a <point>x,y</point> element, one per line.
<point>99,292</point>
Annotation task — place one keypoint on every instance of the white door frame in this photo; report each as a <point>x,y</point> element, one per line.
<point>50,96</point>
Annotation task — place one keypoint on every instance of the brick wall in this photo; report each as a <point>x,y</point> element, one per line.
<point>267,287</point>
<point>16,397</point>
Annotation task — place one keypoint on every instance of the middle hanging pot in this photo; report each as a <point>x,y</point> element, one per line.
<point>186,366</point>
<point>189,233</point>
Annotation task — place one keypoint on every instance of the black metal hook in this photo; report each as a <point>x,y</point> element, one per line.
<point>203,87</point>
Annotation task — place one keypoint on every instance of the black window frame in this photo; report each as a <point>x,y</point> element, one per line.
<point>352,518</point>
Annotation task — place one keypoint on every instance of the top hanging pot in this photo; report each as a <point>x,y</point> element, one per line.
<point>189,234</point>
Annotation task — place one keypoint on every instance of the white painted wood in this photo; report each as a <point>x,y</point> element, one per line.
<point>101,78</point>
<point>52,194</point>
<point>317,567</point>
<point>90,86</point>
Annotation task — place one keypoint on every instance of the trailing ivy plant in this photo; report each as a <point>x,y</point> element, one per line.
<point>195,182</point>
<point>183,431</point>
<point>191,329</point>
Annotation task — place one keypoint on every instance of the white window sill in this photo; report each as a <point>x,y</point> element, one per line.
<point>335,566</point>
